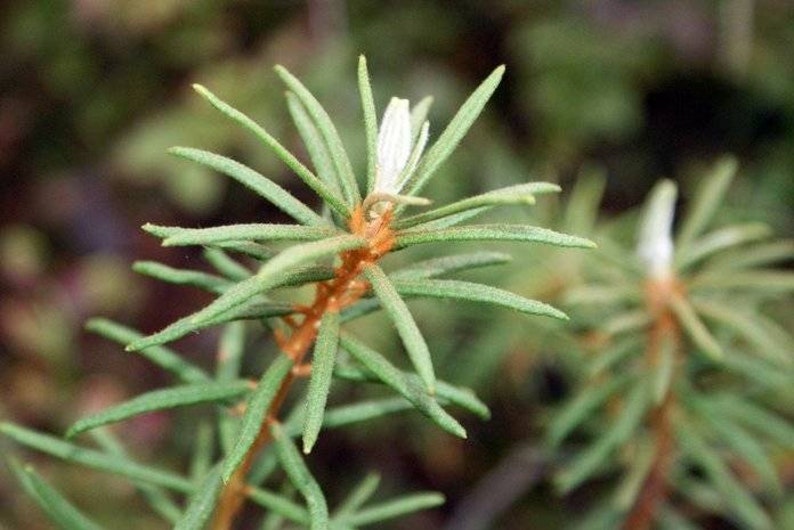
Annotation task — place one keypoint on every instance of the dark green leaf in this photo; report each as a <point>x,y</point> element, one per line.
<point>494,232</point>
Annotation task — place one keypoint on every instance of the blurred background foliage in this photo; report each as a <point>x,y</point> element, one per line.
<point>92,92</point>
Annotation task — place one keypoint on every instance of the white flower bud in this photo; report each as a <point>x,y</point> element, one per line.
<point>655,247</point>
<point>394,147</point>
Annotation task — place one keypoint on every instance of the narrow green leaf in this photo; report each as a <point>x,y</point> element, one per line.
<point>202,280</point>
<point>256,412</point>
<point>360,494</point>
<point>279,504</point>
<point>257,251</point>
<point>719,240</point>
<point>708,199</point>
<point>323,361</point>
<point>162,357</point>
<point>301,478</point>
<point>175,236</point>
<point>663,372</point>
<point>758,281</point>
<point>583,204</point>
<point>614,354</point>
<point>409,332</point>
<point>450,265</point>
<point>751,256</point>
<point>94,459</point>
<point>267,278</point>
<point>315,145</point>
<point>517,194</point>
<point>603,294</point>
<point>167,398</point>
<point>419,115</point>
<point>633,479</point>
<point>245,310</point>
<point>345,415</point>
<point>741,442</point>
<point>269,275</point>
<point>738,499</point>
<point>59,510</point>
<point>475,292</point>
<point>757,418</point>
<point>225,265</point>
<point>454,132</point>
<point>203,451</point>
<point>370,120</point>
<point>579,409</point>
<point>395,508</point>
<point>202,502</point>
<point>597,454</point>
<point>257,182</point>
<point>493,232</point>
<point>344,170</point>
<point>410,389</point>
<point>279,150</point>
<point>627,322</point>
<point>230,352</point>
<point>445,392</point>
<point>695,329</point>
<point>772,342</point>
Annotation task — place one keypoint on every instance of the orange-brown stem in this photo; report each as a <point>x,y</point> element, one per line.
<point>665,329</point>
<point>333,295</point>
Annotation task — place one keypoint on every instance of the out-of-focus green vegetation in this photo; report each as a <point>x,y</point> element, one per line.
<point>93,92</point>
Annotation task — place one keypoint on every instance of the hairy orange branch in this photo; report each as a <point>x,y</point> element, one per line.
<point>335,294</point>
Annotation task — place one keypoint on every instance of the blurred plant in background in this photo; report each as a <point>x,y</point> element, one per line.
<point>90,92</point>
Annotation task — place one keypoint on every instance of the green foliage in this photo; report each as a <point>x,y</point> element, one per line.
<point>337,251</point>
<point>678,394</point>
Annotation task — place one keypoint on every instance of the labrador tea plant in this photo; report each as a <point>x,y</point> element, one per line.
<point>337,251</point>
<point>688,385</point>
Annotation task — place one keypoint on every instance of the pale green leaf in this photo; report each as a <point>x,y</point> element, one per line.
<point>202,502</point>
<point>738,500</point>
<point>167,398</point>
<point>708,199</point>
<point>257,182</point>
<point>475,292</point>
<point>358,496</point>
<point>279,504</point>
<point>695,329</point>
<point>315,145</point>
<point>226,265</point>
<point>94,459</point>
<point>301,478</point>
<point>176,236</point>
<point>370,120</point>
<point>256,413</point>
<point>394,508</point>
<point>344,171</point>
<point>323,361</point>
<point>406,326</point>
<point>450,265</point>
<point>718,241</point>
<point>59,510</point>
<point>279,150</point>
<point>517,194</point>
<point>454,132</point>
<point>202,280</point>
<point>410,389</point>
<point>598,453</point>
<point>490,232</point>
<point>581,407</point>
